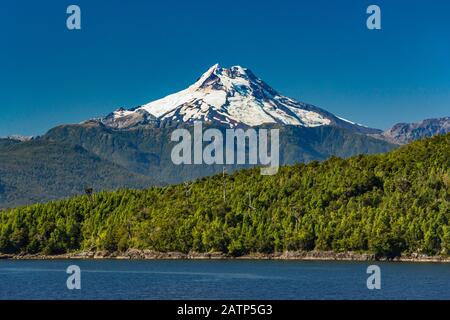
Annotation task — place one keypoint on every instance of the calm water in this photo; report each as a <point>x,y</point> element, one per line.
<point>113,279</point>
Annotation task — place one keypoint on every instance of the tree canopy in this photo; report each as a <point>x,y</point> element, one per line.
<point>388,204</point>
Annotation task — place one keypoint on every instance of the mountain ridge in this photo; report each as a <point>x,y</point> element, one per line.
<point>402,133</point>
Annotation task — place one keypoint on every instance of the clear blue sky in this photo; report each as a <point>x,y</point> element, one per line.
<point>132,52</point>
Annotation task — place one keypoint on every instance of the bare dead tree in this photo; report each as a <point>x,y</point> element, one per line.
<point>250,202</point>
<point>296,212</point>
<point>187,190</point>
<point>224,178</point>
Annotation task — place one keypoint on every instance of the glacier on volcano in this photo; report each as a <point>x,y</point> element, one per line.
<point>232,97</point>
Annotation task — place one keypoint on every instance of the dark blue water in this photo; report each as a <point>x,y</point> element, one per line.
<point>116,279</point>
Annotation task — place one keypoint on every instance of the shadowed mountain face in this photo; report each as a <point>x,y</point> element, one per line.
<point>43,170</point>
<point>147,150</point>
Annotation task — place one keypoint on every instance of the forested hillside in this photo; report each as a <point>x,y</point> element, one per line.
<point>386,204</point>
<point>69,158</point>
<point>40,170</point>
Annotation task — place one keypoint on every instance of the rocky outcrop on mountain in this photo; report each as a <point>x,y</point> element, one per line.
<point>403,133</point>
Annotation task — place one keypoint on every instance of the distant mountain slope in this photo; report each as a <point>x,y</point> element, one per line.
<point>147,150</point>
<point>403,133</point>
<point>7,142</point>
<point>390,204</point>
<point>41,170</point>
<point>68,158</point>
<point>233,97</point>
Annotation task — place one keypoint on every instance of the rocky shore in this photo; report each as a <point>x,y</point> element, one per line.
<point>134,254</point>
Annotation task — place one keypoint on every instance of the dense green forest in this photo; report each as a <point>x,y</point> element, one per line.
<point>387,204</point>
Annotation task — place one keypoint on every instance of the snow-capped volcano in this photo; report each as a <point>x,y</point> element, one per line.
<point>232,97</point>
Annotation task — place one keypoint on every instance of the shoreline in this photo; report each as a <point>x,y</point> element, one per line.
<point>134,254</point>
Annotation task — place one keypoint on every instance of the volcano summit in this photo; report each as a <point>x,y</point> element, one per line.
<point>233,97</point>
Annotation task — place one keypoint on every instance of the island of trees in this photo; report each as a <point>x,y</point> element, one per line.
<point>388,205</point>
